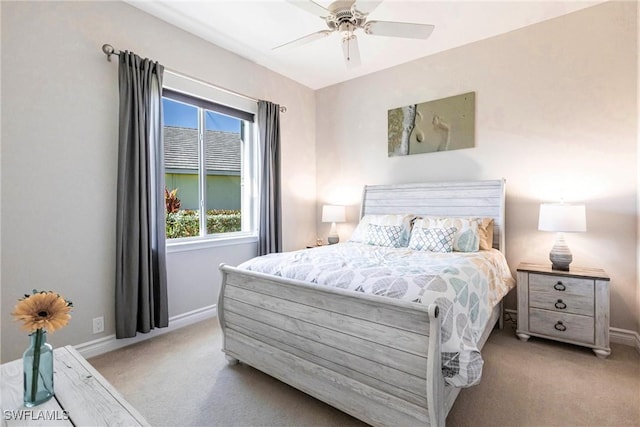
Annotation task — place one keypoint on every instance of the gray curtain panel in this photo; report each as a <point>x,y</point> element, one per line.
<point>270,224</point>
<point>141,277</point>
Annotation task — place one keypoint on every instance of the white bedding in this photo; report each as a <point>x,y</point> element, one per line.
<point>465,285</point>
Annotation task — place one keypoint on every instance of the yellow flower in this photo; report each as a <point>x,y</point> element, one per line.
<point>43,310</point>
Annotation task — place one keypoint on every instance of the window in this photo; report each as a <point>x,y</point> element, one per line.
<point>209,157</point>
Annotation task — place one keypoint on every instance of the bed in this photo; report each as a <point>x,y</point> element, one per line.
<point>377,358</point>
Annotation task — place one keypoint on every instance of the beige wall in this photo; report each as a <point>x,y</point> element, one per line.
<point>556,115</point>
<point>59,151</point>
<point>638,165</point>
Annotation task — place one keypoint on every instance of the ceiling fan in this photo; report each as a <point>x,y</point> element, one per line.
<point>345,17</point>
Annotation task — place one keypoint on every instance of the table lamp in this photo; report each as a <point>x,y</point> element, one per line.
<point>333,214</point>
<point>561,218</point>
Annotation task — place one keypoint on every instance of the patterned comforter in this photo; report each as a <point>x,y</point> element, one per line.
<point>465,285</point>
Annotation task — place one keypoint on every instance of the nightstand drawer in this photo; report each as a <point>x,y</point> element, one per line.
<point>570,327</point>
<point>562,302</point>
<point>561,285</point>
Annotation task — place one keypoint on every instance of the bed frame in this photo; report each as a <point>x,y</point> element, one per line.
<point>375,358</point>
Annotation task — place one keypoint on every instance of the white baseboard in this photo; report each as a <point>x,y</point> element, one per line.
<point>616,335</point>
<point>109,343</point>
<point>625,336</point>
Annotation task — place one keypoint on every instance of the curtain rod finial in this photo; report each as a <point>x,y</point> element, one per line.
<point>108,50</point>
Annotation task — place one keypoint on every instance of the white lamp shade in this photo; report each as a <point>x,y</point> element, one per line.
<point>562,217</point>
<point>333,213</point>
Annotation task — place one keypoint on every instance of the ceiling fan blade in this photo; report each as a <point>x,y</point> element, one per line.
<point>367,6</point>
<point>398,29</point>
<point>311,7</point>
<point>351,51</point>
<point>304,40</point>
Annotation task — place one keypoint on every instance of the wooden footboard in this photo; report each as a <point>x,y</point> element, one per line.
<point>374,358</point>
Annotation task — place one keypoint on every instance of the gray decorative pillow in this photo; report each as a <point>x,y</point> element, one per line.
<point>432,239</point>
<point>360,233</point>
<point>467,237</point>
<point>384,235</point>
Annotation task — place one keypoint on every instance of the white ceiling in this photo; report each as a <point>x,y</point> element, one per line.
<point>252,28</point>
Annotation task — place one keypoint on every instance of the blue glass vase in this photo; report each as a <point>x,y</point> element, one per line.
<point>38,369</point>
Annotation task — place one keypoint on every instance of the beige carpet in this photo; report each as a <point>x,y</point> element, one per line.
<point>182,379</point>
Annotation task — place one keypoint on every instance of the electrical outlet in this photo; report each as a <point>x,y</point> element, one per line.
<point>98,325</point>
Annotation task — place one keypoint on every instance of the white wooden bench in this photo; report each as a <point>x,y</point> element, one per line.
<point>83,397</point>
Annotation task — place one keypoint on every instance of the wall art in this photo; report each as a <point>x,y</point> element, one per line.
<point>441,125</point>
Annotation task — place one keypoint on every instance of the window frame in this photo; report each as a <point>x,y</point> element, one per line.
<point>206,96</point>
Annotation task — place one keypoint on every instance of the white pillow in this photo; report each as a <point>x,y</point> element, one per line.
<point>360,234</point>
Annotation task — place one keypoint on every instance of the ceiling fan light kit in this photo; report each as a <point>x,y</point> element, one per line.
<point>346,17</point>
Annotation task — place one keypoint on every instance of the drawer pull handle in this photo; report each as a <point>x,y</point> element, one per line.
<point>560,326</point>
<point>560,305</point>
<point>559,287</point>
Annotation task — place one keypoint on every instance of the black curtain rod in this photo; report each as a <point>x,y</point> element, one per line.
<point>109,50</point>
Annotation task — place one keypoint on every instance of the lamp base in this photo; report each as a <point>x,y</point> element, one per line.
<point>560,267</point>
<point>333,235</point>
<point>560,254</point>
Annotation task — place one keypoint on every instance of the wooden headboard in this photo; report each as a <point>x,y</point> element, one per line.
<point>484,199</point>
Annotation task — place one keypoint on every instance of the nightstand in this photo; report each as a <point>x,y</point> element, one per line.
<point>569,306</point>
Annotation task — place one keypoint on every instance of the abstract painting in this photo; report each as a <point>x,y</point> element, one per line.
<point>441,125</point>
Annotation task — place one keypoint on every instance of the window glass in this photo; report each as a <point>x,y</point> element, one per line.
<point>181,162</point>
<point>208,159</point>
<point>223,164</point>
